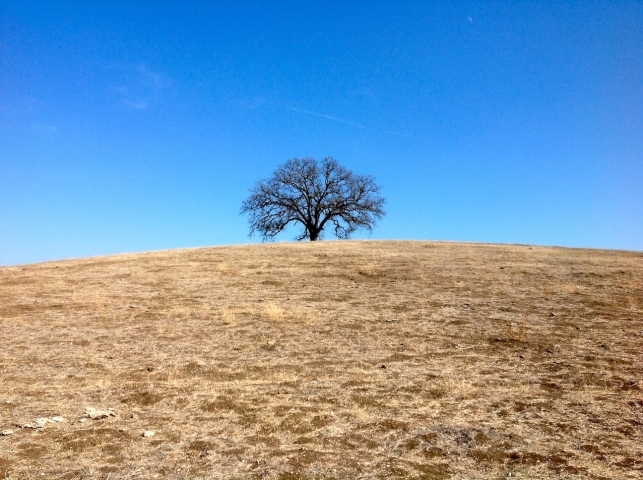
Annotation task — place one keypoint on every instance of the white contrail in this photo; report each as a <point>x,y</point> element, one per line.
<point>329,117</point>
<point>347,122</point>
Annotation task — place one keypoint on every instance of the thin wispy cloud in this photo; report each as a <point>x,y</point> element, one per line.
<point>152,79</point>
<point>391,132</point>
<point>137,87</point>
<point>328,117</point>
<point>332,118</point>
<point>135,105</point>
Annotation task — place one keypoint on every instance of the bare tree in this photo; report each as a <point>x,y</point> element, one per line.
<point>315,195</point>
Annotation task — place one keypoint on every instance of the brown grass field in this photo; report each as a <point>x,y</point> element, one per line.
<point>346,360</point>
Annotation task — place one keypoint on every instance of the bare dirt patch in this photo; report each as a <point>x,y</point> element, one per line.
<point>325,360</point>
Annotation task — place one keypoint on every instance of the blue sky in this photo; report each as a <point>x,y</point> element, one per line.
<point>140,127</point>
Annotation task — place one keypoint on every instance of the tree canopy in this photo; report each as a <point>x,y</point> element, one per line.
<point>316,195</point>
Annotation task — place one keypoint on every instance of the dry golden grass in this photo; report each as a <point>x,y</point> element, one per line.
<point>326,360</point>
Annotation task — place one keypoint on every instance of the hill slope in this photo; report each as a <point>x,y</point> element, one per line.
<point>326,360</point>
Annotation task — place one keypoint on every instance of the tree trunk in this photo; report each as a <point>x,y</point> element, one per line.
<point>314,235</point>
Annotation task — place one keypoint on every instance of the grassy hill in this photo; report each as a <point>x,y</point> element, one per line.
<point>325,360</point>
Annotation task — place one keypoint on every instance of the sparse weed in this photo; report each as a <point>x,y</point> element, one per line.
<point>455,384</point>
<point>100,303</point>
<point>370,272</point>
<point>308,315</point>
<point>227,316</point>
<point>274,312</point>
<point>632,304</point>
<point>515,332</point>
<point>182,311</point>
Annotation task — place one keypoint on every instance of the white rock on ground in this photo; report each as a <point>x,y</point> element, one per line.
<point>96,414</point>
<point>42,421</point>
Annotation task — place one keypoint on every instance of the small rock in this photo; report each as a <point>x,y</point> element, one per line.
<point>82,420</point>
<point>41,422</point>
<point>552,314</point>
<point>6,433</point>
<point>133,415</point>
<point>148,433</point>
<point>58,419</point>
<point>383,366</point>
<point>389,320</point>
<point>38,423</point>
<point>96,414</point>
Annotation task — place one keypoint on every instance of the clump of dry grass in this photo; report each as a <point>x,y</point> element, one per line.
<point>517,332</point>
<point>274,312</point>
<point>326,360</point>
<point>228,316</point>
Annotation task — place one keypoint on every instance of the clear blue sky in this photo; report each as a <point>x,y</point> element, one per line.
<point>141,127</point>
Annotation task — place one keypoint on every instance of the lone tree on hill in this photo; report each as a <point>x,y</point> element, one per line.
<point>316,195</point>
